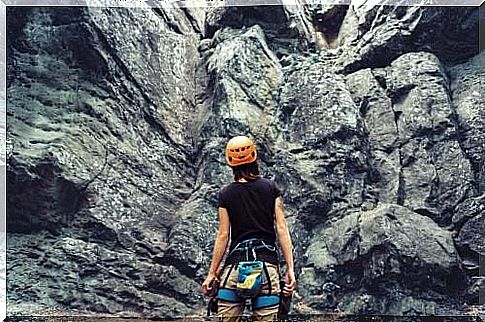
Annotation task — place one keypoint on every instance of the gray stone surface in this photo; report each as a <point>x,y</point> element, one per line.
<point>369,118</point>
<point>468,99</point>
<point>388,257</point>
<point>385,32</point>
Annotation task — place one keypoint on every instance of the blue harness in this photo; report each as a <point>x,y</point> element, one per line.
<point>249,278</point>
<point>258,302</point>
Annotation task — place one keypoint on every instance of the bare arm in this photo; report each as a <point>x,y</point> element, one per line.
<point>283,233</point>
<point>286,245</point>
<point>219,248</point>
<point>221,240</point>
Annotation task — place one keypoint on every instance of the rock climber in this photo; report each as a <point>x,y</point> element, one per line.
<point>251,215</point>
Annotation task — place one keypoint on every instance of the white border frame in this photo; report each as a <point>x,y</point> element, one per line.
<point>227,3</point>
<point>143,3</point>
<point>3,180</point>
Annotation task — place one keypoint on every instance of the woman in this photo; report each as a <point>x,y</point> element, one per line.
<point>251,213</point>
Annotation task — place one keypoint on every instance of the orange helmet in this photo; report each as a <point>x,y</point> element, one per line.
<point>240,150</point>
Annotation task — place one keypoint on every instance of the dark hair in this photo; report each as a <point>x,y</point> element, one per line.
<point>249,171</point>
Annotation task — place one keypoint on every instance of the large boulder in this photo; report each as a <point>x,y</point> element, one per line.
<point>389,257</point>
<point>379,34</point>
<point>246,75</point>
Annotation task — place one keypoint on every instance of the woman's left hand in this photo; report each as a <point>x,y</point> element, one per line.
<point>207,286</point>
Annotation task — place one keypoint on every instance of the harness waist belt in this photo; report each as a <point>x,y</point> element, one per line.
<point>259,302</point>
<point>229,295</point>
<point>263,301</point>
<point>253,244</point>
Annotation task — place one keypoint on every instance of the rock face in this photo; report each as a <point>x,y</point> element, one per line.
<point>386,257</point>
<point>101,157</point>
<point>368,117</point>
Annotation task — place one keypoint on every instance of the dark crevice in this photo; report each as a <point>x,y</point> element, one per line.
<point>93,230</point>
<point>192,20</point>
<point>363,108</point>
<point>182,265</point>
<point>401,194</point>
<point>206,90</point>
<point>45,188</point>
<point>270,18</point>
<point>161,13</point>
<point>460,137</point>
<point>372,174</point>
<point>398,97</point>
<point>381,80</point>
<point>328,24</point>
<point>469,259</point>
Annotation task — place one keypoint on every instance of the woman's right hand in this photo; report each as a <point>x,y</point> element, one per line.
<point>290,283</point>
<point>208,286</point>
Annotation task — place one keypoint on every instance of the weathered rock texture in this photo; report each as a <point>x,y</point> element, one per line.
<point>370,119</point>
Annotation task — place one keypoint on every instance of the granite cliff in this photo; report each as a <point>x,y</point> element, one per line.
<point>370,118</point>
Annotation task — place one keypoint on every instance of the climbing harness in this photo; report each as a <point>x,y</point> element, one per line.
<point>252,244</point>
<point>249,277</point>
